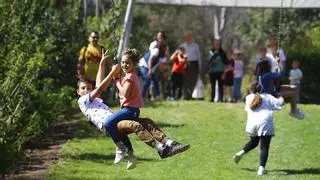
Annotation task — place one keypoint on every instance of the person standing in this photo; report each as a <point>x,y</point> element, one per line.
<point>192,70</point>
<point>90,56</point>
<point>216,63</point>
<point>148,65</point>
<point>179,62</point>
<point>227,77</point>
<point>237,76</point>
<point>276,53</point>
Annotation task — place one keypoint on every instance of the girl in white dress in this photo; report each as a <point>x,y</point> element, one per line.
<point>259,126</point>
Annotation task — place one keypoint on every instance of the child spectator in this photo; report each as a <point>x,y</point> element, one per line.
<point>179,64</point>
<point>259,126</point>
<point>237,76</point>
<point>295,77</point>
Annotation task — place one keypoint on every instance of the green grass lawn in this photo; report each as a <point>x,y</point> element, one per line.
<point>215,133</point>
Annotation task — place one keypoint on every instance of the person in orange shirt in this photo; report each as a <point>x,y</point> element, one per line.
<point>89,59</point>
<point>179,60</point>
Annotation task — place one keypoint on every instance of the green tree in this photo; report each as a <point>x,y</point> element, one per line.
<point>38,51</point>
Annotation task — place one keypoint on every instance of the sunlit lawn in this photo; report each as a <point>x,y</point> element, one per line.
<point>215,132</point>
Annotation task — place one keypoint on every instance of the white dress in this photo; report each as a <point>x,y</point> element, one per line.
<point>260,120</point>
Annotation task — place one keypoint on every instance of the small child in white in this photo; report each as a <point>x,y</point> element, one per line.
<point>260,126</point>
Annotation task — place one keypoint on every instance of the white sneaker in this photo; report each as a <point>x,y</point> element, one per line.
<point>237,158</point>
<point>297,114</point>
<point>131,162</point>
<point>120,154</point>
<point>261,171</point>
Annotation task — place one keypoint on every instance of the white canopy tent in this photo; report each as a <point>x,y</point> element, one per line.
<point>218,3</point>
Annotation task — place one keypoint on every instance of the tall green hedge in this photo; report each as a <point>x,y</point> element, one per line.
<point>38,52</point>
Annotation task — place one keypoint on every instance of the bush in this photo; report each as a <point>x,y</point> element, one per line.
<point>38,53</point>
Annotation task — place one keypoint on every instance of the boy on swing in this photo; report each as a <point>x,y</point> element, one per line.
<point>98,112</point>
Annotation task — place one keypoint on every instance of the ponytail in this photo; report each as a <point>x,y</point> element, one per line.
<point>255,88</point>
<point>256,102</point>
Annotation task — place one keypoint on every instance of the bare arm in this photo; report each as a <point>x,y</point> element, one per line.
<point>125,89</point>
<point>173,55</point>
<point>102,68</point>
<point>105,83</point>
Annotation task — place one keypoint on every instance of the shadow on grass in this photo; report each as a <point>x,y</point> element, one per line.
<point>164,125</point>
<point>313,171</point>
<point>298,171</point>
<point>101,158</point>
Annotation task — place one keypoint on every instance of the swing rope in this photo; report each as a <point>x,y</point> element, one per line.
<point>113,37</point>
<point>280,26</point>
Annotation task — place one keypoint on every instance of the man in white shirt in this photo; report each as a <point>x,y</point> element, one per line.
<point>193,67</point>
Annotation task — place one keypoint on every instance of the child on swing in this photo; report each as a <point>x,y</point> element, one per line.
<point>259,126</point>
<point>130,98</point>
<point>97,112</point>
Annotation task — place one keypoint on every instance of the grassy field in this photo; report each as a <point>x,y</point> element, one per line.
<point>215,132</point>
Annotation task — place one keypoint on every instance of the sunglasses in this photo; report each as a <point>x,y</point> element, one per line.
<point>95,37</point>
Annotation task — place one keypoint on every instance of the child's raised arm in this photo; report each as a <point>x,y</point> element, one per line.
<point>275,103</point>
<point>105,83</point>
<point>174,55</point>
<point>102,68</point>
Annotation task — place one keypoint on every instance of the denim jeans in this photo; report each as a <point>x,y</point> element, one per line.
<point>147,81</point>
<point>236,91</point>
<point>111,124</point>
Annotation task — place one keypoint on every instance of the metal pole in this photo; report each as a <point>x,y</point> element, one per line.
<point>126,28</point>
<point>280,25</point>
<point>85,12</point>
<point>127,32</point>
<point>97,8</point>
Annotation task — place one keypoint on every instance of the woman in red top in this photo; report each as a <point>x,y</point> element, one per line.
<point>179,63</point>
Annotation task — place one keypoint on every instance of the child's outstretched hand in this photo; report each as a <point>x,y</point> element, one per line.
<point>105,57</point>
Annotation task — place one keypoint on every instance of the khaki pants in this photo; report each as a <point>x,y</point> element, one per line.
<point>144,128</point>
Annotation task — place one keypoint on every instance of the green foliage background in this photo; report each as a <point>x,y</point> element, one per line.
<point>39,42</point>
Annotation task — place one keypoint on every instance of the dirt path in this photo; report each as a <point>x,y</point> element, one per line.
<point>43,153</point>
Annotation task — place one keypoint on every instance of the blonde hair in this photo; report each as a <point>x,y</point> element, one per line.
<point>133,55</point>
